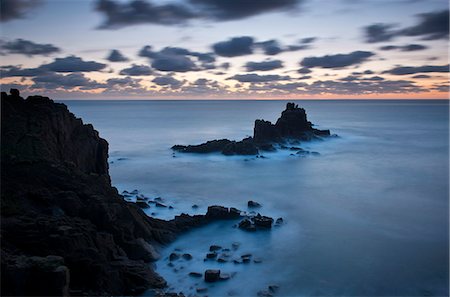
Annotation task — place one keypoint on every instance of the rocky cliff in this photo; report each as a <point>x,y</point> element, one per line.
<point>64,229</point>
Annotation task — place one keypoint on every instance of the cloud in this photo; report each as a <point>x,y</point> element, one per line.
<point>118,14</point>
<point>271,47</point>
<point>256,78</point>
<point>140,12</point>
<point>28,48</point>
<point>72,64</point>
<point>308,40</point>
<point>67,82</point>
<point>420,76</point>
<point>378,33</point>
<point>136,70</point>
<point>431,26</point>
<point>264,65</point>
<point>16,9</point>
<point>14,71</point>
<point>238,9</point>
<point>178,59</point>
<point>168,81</point>
<point>236,46</point>
<point>364,72</point>
<point>116,56</point>
<point>337,61</point>
<point>304,70</point>
<point>404,48</point>
<point>121,82</point>
<point>405,70</point>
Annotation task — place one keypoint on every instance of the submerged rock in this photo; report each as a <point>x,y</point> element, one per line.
<point>253,204</point>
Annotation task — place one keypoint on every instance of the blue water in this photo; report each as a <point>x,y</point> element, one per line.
<point>368,216</point>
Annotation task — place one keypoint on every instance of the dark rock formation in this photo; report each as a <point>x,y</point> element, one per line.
<point>292,125</point>
<point>64,228</point>
<point>212,275</point>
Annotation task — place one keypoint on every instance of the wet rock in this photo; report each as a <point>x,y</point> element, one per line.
<point>158,204</point>
<point>273,288</point>
<point>262,221</point>
<point>216,212</point>
<point>245,224</point>
<point>225,276</point>
<point>195,274</point>
<point>174,257</point>
<point>212,275</point>
<point>257,260</point>
<point>237,261</point>
<point>211,255</point>
<point>187,257</point>
<point>279,221</point>
<point>170,207</point>
<point>195,206</point>
<point>201,290</point>
<point>222,259</point>
<point>253,204</point>
<point>142,204</point>
<point>214,248</point>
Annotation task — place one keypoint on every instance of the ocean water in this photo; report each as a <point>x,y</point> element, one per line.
<point>369,216</point>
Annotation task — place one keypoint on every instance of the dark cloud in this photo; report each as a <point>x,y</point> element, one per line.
<point>421,76</point>
<point>238,9</point>
<point>14,71</point>
<point>118,14</point>
<point>136,70</point>
<point>404,48</point>
<point>72,64</point>
<point>140,12</point>
<point>308,40</point>
<point>431,26</point>
<point>264,65</point>
<point>116,56</point>
<point>256,78</point>
<point>67,82</point>
<point>271,47</point>
<point>304,70</point>
<point>405,70</point>
<point>178,59</point>
<point>237,46</point>
<point>337,61</point>
<point>378,33</point>
<point>28,48</point>
<point>168,81</point>
<point>16,9</point>
<point>364,72</point>
<point>122,82</point>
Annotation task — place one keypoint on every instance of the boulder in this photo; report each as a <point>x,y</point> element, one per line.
<point>212,275</point>
<point>262,221</point>
<point>253,204</point>
<point>214,248</point>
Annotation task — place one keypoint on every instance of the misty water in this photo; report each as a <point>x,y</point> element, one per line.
<point>368,216</point>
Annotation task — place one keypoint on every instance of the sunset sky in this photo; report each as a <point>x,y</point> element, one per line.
<point>226,49</point>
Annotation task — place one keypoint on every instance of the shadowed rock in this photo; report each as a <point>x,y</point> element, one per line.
<point>292,125</point>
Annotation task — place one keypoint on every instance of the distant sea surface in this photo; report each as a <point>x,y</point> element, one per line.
<point>368,216</point>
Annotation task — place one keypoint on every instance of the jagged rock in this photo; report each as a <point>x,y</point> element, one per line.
<point>279,221</point>
<point>253,204</point>
<point>142,204</point>
<point>220,212</point>
<point>292,125</point>
<point>212,275</point>
<point>211,255</point>
<point>262,221</point>
<point>214,248</point>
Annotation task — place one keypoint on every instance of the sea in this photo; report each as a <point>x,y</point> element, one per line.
<point>366,216</point>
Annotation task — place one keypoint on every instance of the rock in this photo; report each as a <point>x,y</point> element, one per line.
<point>246,256</point>
<point>195,206</point>
<point>142,204</point>
<point>201,290</point>
<point>158,204</point>
<point>222,260</point>
<point>291,126</point>
<point>225,276</point>
<point>212,275</point>
<point>253,204</point>
<point>158,199</point>
<point>195,274</point>
<point>211,255</point>
<point>214,248</point>
<point>279,221</point>
<point>237,261</point>
<point>273,288</point>
<point>262,221</point>
<point>257,260</point>
<point>235,245</point>
<point>234,213</point>
<point>170,207</point>
<point>245,224</point>
<point>187,257</point>
<point>174,257</point>
<point>264,293</point>
<point>222,213</point>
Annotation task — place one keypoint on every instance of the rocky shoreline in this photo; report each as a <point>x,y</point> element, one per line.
<point>291,128</point>
<point>65,229</point>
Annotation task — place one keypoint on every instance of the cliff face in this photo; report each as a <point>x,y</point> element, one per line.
<point>64,228</point>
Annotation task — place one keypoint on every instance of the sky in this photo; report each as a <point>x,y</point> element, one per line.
<point>225,49</point>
